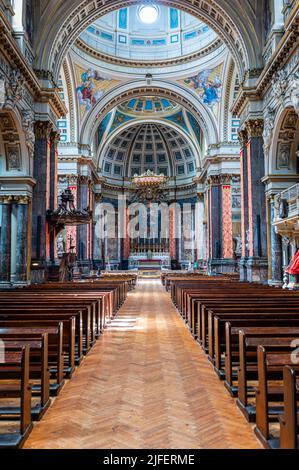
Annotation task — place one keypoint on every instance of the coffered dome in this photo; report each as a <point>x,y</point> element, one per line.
<point>149,146</point>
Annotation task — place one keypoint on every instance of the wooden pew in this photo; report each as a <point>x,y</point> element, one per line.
<point>217,321</point>
<point>19,360</point>
<point>289,421</point>
<point>269,394</point>
<point>38,370</point>
<point>236,346</point>
<point>68,338</point>
<point>15,330</point>
<point>249,368</point>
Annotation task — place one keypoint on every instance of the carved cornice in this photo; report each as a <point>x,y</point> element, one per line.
<point>18,180</point>
<point>14,56</point>
<point>149,64</point>
<point>51,96</point>
<point>287,43</point>
<point>255,127</point>
<point>11,51</point>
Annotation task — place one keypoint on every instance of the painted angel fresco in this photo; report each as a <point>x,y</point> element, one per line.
<point>208,84</point>
<point>88,92</point>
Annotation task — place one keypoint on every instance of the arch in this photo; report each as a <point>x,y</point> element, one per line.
<point>16,159</point>
<point>186,98</point>
<point>71,17</point>
<point>284,147</point>
<point>102,149</point>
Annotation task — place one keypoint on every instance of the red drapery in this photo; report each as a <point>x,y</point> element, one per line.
<point>294,266</point>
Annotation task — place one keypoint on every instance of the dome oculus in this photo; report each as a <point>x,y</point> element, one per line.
<point>148,14</point>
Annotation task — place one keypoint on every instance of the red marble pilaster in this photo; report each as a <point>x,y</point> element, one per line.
<point>172,244</point>
<point>227,223</point>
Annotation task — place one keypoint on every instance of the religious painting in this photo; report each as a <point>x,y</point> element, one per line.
<point>91,87</point>
<point>13,157</point>
<point>208,85</point>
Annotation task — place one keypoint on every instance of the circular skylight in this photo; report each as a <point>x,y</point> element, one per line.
<point>148,14</point>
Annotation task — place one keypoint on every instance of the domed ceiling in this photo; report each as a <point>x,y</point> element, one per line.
<point>154,147</point>
<point>148,32</point>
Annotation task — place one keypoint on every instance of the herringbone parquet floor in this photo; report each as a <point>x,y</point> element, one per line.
<point>146,384</point>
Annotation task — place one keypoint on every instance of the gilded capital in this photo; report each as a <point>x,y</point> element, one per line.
<point>43,129</point>
<point>243,137</point>
<point>54,137</point>
<point>255,127</point>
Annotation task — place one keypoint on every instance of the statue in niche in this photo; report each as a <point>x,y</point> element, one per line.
<point>283,209</point>
<point>247,240</point>
<point>295,91</point>
<point>236,202</point>
<point>283,157</point>
<point>60,245</point>
<point>268,128</point>
<point>238,245</point>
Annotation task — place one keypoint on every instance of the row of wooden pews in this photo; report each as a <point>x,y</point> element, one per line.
<point>250,333</point>
<point>45,333</point>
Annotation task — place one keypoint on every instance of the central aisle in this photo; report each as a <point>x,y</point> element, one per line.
<point>146,384</point>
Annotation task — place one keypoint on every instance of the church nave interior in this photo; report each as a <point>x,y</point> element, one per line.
<point>149,224</point>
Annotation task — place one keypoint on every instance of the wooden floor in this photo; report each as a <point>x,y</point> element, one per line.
<point>146,384</point>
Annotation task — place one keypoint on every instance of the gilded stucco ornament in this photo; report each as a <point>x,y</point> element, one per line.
<point>28,127</point>
<point>268,128</point>
<point>295,91</point>
<point>12,89</point>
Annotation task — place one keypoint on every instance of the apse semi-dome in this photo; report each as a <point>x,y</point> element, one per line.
<point>155,147</point>
<point>147,33</point>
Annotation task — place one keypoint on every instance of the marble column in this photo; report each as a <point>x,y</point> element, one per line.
<point>243,137</point>
<point>54,139</point>
<point>276,251</point>
<point>22,241</point>
<point>200,228</point>
<point>172,248</point>
<point>83,230</point>
<point>5,239</point>
<point>41,200</point>
<point>215,223</point>
<point>257,263</point>
<point>96,240</point>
